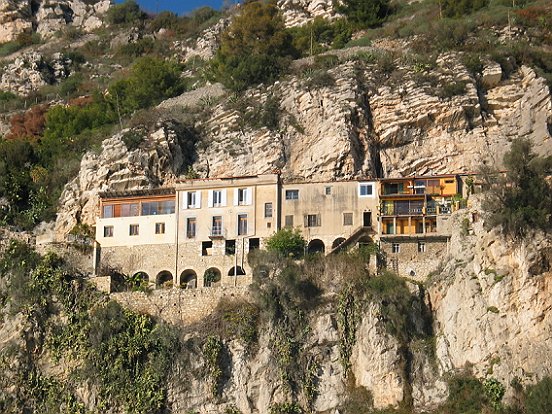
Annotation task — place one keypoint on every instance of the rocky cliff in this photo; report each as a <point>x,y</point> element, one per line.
<point>357,342</point>
<point>359,120</point>
<point>47,17</point>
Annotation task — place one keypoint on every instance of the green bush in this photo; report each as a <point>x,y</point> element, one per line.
<point>364,13</point>
<point>151,80</point>
<point>458,8</point>
<point>126,13</point>
<point>519,201</point>
<point>255,48</point>
<point>319,35</point>
<point>538,398</point>
<point>287,242</point>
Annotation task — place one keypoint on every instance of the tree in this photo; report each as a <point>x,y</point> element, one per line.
<point>126,13</point>
<point>287,242</point>
<point>458,8</point>
<point>255,48</point>
<point>364,13</point>
<point>521,199</point>
<point>151,80</point>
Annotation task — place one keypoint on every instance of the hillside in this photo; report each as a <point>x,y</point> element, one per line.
<point>100,97</point>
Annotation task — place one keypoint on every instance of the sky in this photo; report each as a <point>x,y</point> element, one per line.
<point>177,6</point>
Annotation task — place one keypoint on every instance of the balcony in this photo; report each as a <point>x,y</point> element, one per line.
<point>217,232</point>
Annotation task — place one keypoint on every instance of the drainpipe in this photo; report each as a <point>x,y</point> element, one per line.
<point>177,230</point>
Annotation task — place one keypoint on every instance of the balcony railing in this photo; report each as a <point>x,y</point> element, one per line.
<point>217,232</point>
<point>414,209</point>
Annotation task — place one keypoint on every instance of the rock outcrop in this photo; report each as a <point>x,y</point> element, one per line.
<point>156,162</point>
<point>300,12</point>
<point>31,71</point>
<point>47,17</point>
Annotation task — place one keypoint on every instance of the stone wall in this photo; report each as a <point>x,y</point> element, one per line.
<point>178,306</point>
<point>410,262</point>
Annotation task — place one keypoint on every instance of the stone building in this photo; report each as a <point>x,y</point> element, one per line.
<point>199,232</point>
<point>414,214</point>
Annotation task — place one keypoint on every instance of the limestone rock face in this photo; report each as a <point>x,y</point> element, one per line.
<point>377,361</point>
<point>492,302</point>
<point>300,12</point>
<point>30,71</point>
<point>15,18</point>
<point>156,162</point>
<point>47,17</point>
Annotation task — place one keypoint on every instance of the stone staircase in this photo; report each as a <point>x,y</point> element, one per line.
<point>353,238</point>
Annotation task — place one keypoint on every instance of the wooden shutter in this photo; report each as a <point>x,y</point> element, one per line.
<point>210,198</point>
<point>184,200</point>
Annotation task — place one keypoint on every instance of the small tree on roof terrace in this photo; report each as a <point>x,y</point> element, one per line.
<point>287,242</point>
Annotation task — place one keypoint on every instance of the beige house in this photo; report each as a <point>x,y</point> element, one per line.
<point>331,213</point>
<point>199,232</point>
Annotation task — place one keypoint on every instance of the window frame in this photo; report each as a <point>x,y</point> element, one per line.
<point>292,195</point>
<point>369,194</point>
<point>422,247</point>
<point>189,234</point>
<point>268,210</point>
<point>108,231</point>
<point>160,228</point>
<point>290,219</point>
<point>243,224</point>
<point>348,222</point>
<point>134,229</point>
<point>395,248</point>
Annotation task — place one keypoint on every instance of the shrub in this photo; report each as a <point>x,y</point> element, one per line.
<point>451,89</point>
<point>538,398</point>
<point>458,8</point>
<point>254,48</point>
<point>364,13</point>
<point>521,200</point>
<point>126,13</point>
<point>151,80</point>
<point>287,242</point>
<point>319,35</point>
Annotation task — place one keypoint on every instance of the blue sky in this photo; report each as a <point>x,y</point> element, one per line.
<point>177,6</point>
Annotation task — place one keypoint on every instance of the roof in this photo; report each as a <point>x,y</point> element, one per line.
<point>160,191</point>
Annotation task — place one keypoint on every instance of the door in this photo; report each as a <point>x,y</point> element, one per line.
<point>367,219</point>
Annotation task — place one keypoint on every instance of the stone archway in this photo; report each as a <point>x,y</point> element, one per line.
<point>236,271</point>
<point>188,279</point>
<point>164,280</point>
<point>337,242</point>
<point>316,246</point>
<point>212,277</point>
<point>138,281</point>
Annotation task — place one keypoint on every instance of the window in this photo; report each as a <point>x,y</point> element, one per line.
<point>191,201</point>
<point>254,244</point>
<point>328,190</point>
<point>395,248</point>
<point>152,208</point>
<point>206,248</point>
<point>159,228</point>
<point>421,247</point>
<point>108,231</point>
<point>134,230</point>
<point>107,212</point>
<point>242,196</point>
<point>230,247</point>
<point>347,219</point>
<point>242,224</point>
<point>292,194</point>
<point>216,228</point>
<point>129,210</point>
<point>217,198</point>
<point>268,210</point>
<point>289,221</point>
<point>366,189</point>
<point>191,225</point>
<point>313,220</point>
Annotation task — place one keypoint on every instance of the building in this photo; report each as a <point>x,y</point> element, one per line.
<point>199,232</point>
<point>414,214</point>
